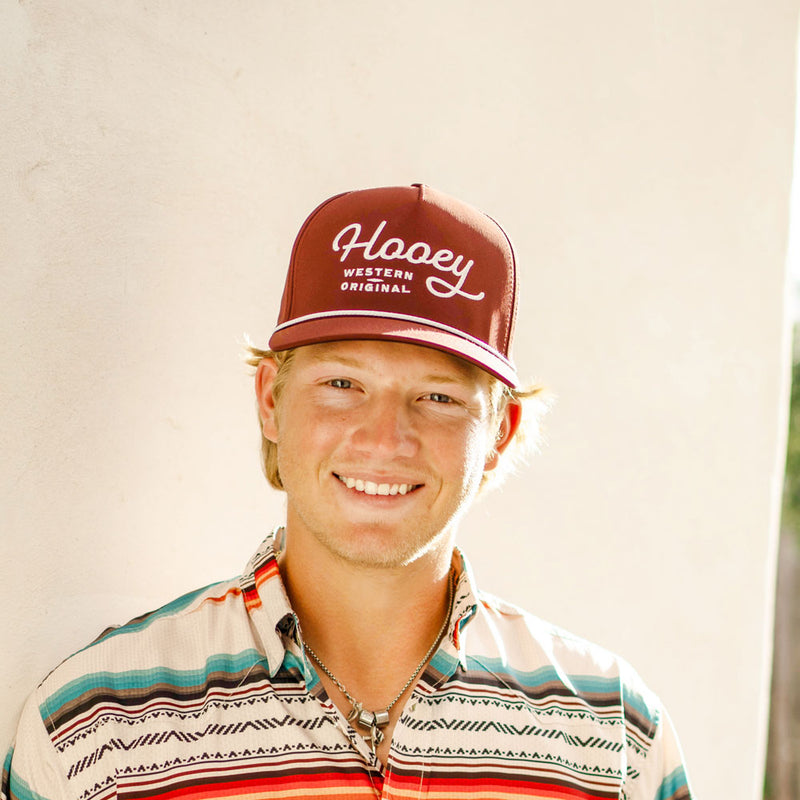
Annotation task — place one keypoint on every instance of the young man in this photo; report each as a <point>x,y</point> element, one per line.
<point>355,657</point>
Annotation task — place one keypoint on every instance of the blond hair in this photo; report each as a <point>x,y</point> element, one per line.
<point>533,399</point>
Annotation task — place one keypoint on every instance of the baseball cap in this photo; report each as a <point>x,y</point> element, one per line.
<point>403,263</point>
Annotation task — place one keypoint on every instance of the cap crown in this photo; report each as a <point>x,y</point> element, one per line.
<point>403,263</point>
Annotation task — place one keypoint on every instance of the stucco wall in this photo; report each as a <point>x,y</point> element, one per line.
<point>157,161</point>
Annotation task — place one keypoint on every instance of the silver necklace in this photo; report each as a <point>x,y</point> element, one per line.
<point>373,721</point>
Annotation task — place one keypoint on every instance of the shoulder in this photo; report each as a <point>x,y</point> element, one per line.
<point>576,690</point>
<point>174,656</point>
<point>176,645</point>
<point>546,658</point>
<point>549,639</point>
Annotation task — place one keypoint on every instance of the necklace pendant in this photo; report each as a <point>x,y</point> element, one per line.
<point>373,721</point>
<point>382,718</point>
<point>355,712</point>
<point>375,738</point>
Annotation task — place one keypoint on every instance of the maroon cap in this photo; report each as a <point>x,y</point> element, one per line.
<point>407,264</point>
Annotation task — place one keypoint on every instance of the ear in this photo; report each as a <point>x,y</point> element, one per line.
<point>509,425</point>
<point>265,377</point>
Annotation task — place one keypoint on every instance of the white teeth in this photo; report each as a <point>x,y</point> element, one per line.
<point>372,488</point>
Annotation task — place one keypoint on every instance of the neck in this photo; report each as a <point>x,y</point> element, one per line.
<point>370,625</point>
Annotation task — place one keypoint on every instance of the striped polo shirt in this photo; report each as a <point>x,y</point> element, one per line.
<point>212,697</point>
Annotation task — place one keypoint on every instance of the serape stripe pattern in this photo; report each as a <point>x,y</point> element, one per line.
<point>211,697</point>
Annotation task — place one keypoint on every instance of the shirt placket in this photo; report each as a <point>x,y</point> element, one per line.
<point>416,717</point>
<point>373,769</point>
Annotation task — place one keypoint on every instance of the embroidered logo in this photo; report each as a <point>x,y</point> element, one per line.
<point>394,249</point>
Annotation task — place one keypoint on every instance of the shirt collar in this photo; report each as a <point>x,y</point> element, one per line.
<point>267,603</point>
<point>277,626</point>
<point>465,607</point>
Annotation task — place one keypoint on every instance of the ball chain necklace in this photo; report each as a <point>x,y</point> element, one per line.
<point>373,721</point>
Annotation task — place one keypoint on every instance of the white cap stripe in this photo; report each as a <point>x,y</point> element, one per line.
<point>390,315</point>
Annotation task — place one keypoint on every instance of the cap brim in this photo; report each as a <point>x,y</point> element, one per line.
<point>314,331</point>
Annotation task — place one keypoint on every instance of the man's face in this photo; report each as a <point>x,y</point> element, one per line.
<point>381,446</point>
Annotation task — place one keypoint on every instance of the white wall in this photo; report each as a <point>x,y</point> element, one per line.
<point>156,162</point>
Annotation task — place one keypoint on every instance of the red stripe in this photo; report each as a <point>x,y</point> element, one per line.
<point>269,569</point>
<point>317,784</point>
<point>306,786</point>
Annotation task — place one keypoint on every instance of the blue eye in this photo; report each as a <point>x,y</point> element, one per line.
<point>340,383</point>
<point>437,397</point>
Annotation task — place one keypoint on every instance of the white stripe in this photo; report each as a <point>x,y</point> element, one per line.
<point>403,317</point>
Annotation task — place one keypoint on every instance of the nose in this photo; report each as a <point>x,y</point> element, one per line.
<point>385,427</point>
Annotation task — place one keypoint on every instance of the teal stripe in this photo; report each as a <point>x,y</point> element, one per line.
<point>582,684</point>
<point>304,667</point>
<point>13,786</point>
<point>176,606</point>
<point>444,663</point>
<point>4,777</point>
<point>532,680</point>
<point>672,784</point>
<point>635,701</point>
<point>226,663</point>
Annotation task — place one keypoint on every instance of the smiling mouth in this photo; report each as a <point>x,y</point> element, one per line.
<point>373,488</point>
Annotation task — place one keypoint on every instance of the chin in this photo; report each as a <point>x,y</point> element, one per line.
<point>371,549</point>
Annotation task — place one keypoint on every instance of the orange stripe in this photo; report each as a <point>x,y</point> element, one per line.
<point>234,591</point>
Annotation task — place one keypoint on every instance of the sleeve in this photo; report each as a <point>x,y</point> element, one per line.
<point>660,774</point>
<point>32,769</point>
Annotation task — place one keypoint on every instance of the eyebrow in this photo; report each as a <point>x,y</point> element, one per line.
<point>466,371</point>
<point>319,356</point>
